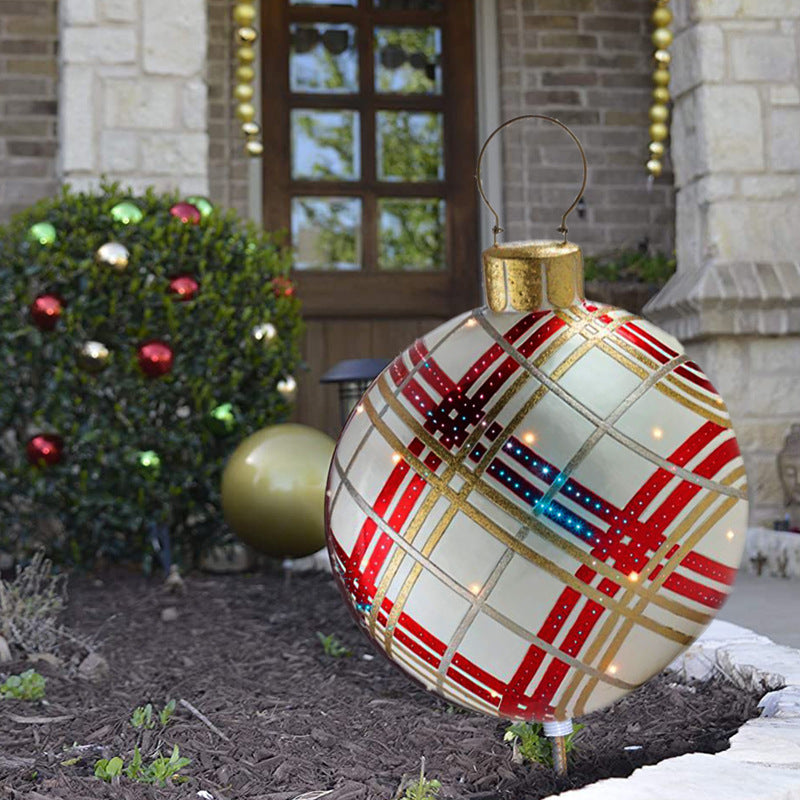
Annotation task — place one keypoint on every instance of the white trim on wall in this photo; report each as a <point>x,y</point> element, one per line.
<point>487,67</point>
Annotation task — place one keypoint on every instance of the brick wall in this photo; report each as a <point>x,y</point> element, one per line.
<point>587,63</point>
<point>28,102</point>
<point>227,166</point>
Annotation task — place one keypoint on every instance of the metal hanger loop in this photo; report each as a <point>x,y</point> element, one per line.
<point>563,227</point>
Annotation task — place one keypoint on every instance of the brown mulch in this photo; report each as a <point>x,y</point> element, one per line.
<point>243,651</point>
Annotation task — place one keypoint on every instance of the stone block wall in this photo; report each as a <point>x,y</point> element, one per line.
<point>735,300</point>
<point>587,63</point>
<point>28,103</point>
<point>133,93</point>
<point>228,164</point>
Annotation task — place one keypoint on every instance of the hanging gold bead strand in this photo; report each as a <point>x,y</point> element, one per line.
<point>659,111</point>
<point>244,17</point>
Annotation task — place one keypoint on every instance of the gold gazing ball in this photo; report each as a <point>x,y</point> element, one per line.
<point>251,128</point>
<point>659,132</point>
<point>661,94</point>
<point>662,38</point>
<point>243,92</point>
<point>245,74</point>
<point>663,57</point>
<point>273,490</point>
<point>244,14</point>
<point>93,357</point>
<point>661,77</point>
<point>654,167</point>
<point>659,113</point>
<point>657,149</point>
<point>254,148</point>
<point>246,54</point>
<point>114,255</point>
<point>661,17</point>
<point>247,34</point>
<point>246,112</point>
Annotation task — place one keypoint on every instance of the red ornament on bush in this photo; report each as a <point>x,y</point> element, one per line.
<point>282,287</point>
<point>45,449</point>
<point>186,213</point>
<point>155,358</point>
<point>45,311</point>
<point>184,286</point>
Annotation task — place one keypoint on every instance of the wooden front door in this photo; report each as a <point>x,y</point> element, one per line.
<point>370,147</point>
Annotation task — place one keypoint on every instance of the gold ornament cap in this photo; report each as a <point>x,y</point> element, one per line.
<point>526,276</point>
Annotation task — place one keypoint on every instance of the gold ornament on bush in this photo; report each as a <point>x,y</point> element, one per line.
<point>244,17</point>
<point>659,111</point>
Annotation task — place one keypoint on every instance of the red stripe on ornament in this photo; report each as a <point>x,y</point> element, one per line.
<point>709,568</point>
<point>654,340</point>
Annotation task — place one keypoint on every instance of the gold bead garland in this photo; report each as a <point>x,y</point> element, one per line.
<point>659,111</point>
<point>244,16</point>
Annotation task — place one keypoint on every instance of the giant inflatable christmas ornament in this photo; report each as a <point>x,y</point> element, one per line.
<point>540,503</point>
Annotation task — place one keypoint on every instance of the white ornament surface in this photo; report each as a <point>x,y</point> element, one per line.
<point>532,514</point>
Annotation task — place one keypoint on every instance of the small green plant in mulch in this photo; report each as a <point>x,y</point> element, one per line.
<point>332,646</point>
<point>422,788</point>
<point>27,686</point>
<point>142,716</point>
<point>161,771</point>
<point>631,265</point>
<point>528,739</point>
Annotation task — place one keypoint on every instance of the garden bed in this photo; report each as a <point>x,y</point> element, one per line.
<point>283,718</point>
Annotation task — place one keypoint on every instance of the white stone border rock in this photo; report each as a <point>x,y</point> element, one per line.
<point>763,762</point>
<point>780,551</point>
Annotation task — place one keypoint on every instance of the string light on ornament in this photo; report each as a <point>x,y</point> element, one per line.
<point>566,459</point>
<point>244,16</point>
<point>659,111</point>
<point>46,310</point>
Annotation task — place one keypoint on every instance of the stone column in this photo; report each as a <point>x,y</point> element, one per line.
<point>735,300</point>
<point>133,95</point>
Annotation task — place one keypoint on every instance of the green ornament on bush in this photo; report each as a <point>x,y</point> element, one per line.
<point>111,491</point>
<point>222,420</point>
<point>127,213</point>
<point>42,233</point>
<point>149,461</point>
<point>202,204</point>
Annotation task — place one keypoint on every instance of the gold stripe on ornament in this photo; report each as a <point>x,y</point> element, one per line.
<point>462,591</point>
<point>506,538</point>
<point>666,572</point>
<point>512,509</point>
<point>594,419</point>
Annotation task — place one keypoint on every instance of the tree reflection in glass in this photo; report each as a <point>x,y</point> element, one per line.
<point>325,145</point>
<point>326,233</point>
<point>411,234</point>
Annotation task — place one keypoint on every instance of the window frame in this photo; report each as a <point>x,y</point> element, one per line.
<point>370,292</point>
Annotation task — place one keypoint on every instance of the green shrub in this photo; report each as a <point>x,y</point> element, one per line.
<point>137,450</point>
<point>631,266</point>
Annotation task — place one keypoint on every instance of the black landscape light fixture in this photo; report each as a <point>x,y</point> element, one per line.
<point>353,376</point>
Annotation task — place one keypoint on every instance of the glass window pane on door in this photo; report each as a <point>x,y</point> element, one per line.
<point>408,60</point>
<point>350,3</point>
<point>410,146</point>
<point>326,233</point>
<point>323,58</point>
<point>409,5</point>
<point>325,145</point>
<point>411,234</point>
